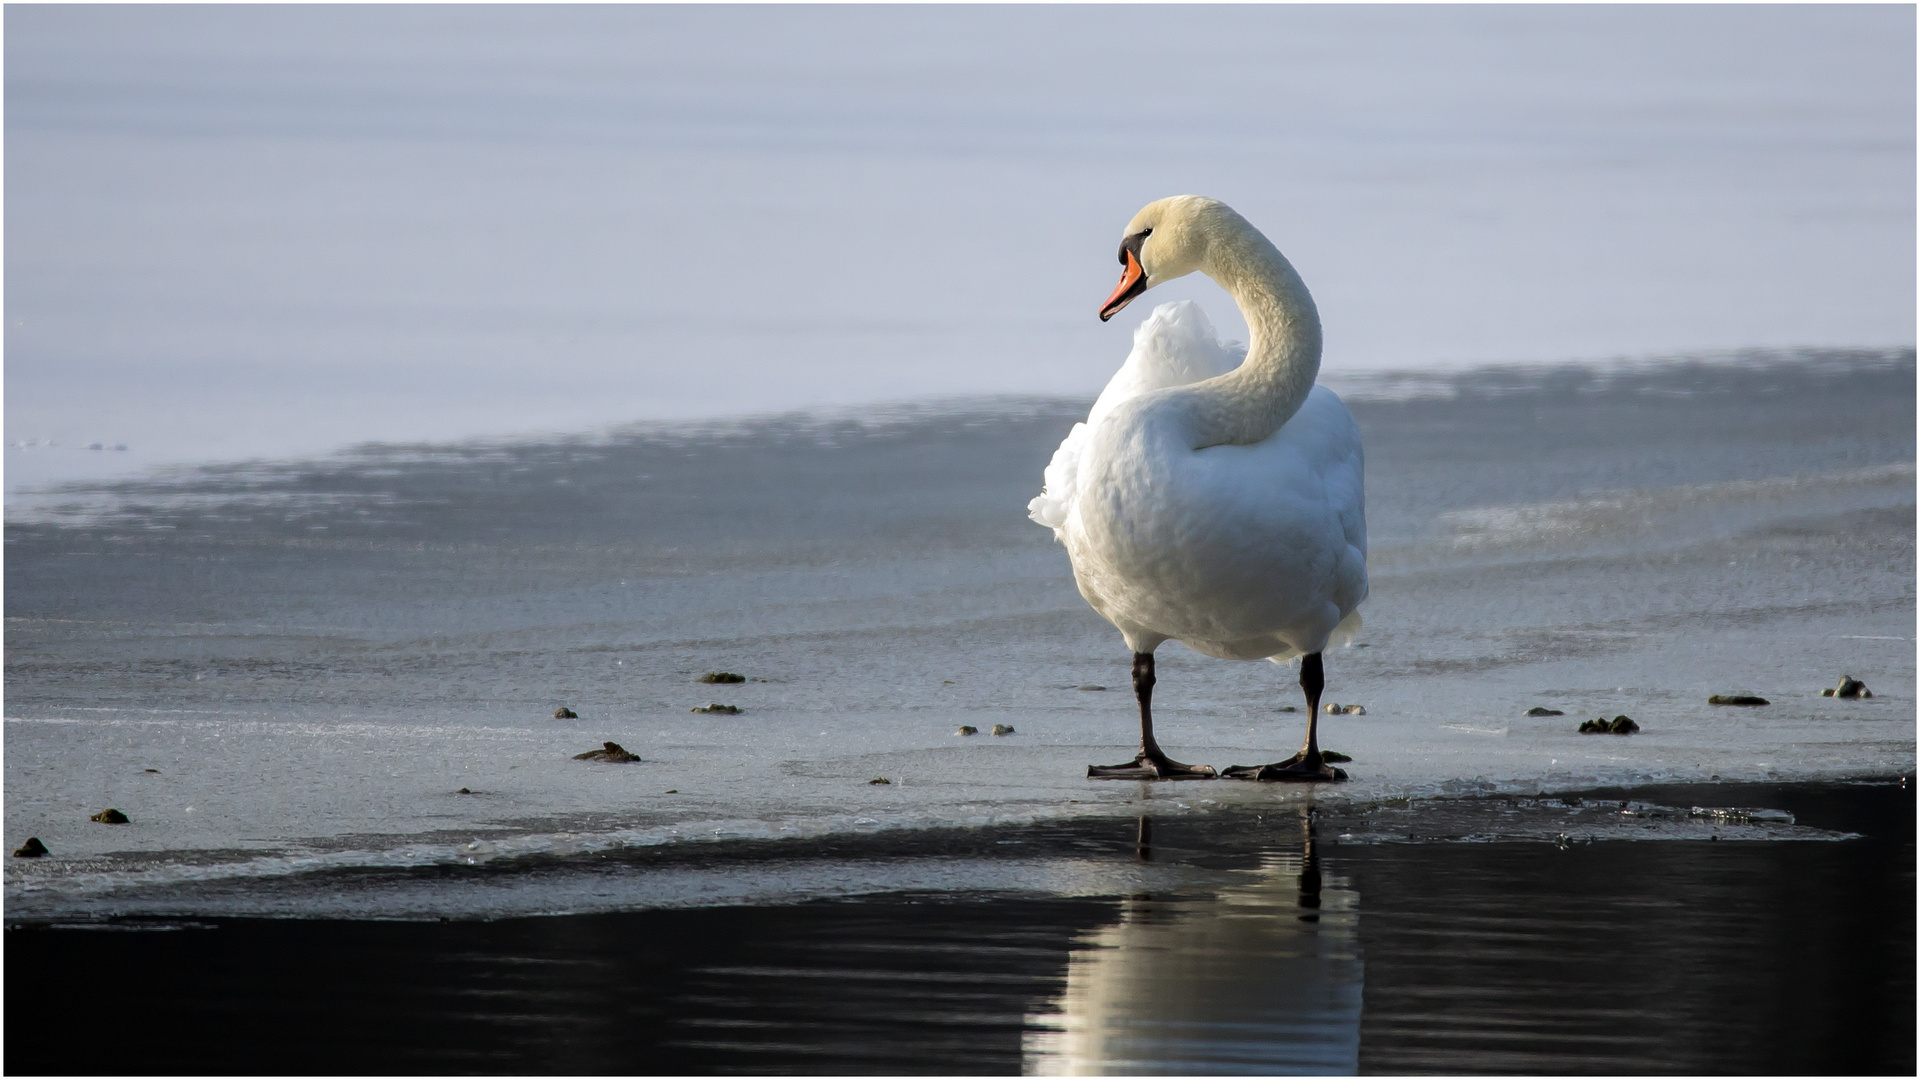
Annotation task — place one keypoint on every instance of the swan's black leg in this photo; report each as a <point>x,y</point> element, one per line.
<point>1306,765</point>
<point>1151,763</point>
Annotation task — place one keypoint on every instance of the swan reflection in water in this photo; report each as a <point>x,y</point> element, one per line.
<point>1262,977</point>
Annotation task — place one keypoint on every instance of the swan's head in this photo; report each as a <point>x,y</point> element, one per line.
<point>1167,239</point>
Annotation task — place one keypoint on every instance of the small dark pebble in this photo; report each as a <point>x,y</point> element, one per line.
<point>1336,758</point>
<point>109,816</point>
<point>612,751</point>
<point>1737,699</point>
<point>1287,708</point>
<point>673,791</point>
<point>463,791</point>
<point>967,729</point>
<point>32,849</point>
<point>1542,710</point>
<point>879,780</point>
<point>716,707</point>
<point>1003,729</point>
<point>565,714</point>
<point>1851,687</point>
<point>722,676</point>
<point>150,770</point>
<point>1089,686</point>
<point>1619,725</point>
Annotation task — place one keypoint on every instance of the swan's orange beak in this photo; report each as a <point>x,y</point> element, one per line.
<point>1133,282</point>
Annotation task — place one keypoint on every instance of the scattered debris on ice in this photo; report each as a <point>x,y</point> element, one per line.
<point>612,751</point>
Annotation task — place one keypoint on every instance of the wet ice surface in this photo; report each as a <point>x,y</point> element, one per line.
<point>1265,943</point>
<point>576,874</point>
<point>314,657</point>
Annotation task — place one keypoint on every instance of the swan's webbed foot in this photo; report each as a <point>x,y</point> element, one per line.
<point>1295,769</point>
<point>1151,767</point>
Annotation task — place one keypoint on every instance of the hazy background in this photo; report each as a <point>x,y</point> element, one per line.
<point>237,231</point>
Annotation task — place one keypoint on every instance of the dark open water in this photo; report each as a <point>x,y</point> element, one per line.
<point>1610,957</point>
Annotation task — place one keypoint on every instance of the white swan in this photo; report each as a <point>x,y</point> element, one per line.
<point>1208,503</point>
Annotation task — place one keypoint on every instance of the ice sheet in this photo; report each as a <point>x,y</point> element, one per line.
<point>314,658</point>
<point>240,232</point>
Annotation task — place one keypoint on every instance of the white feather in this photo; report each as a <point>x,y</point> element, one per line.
<point>1177,345</point>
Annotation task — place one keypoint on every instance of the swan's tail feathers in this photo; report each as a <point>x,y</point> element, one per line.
<point>1344,633</point>
<point>1342,636</point>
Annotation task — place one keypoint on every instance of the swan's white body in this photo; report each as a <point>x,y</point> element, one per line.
<point>1208,500</point>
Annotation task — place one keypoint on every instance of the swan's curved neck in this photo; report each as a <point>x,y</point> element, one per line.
<point>1250,403</point>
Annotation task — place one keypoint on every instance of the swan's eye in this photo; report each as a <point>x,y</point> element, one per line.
<point>1132,243</point>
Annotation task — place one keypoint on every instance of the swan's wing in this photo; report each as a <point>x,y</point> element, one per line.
<point>1319,451</point>
<point>1326,434</point>
<point>1055,501</point>
<point>1326,439</point>
<point>1334,452</point>
<point>1278,528</point>
<point>1177,345</point>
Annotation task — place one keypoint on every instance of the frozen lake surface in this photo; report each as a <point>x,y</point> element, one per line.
<point>273,230</point>
<point>290,666</point>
